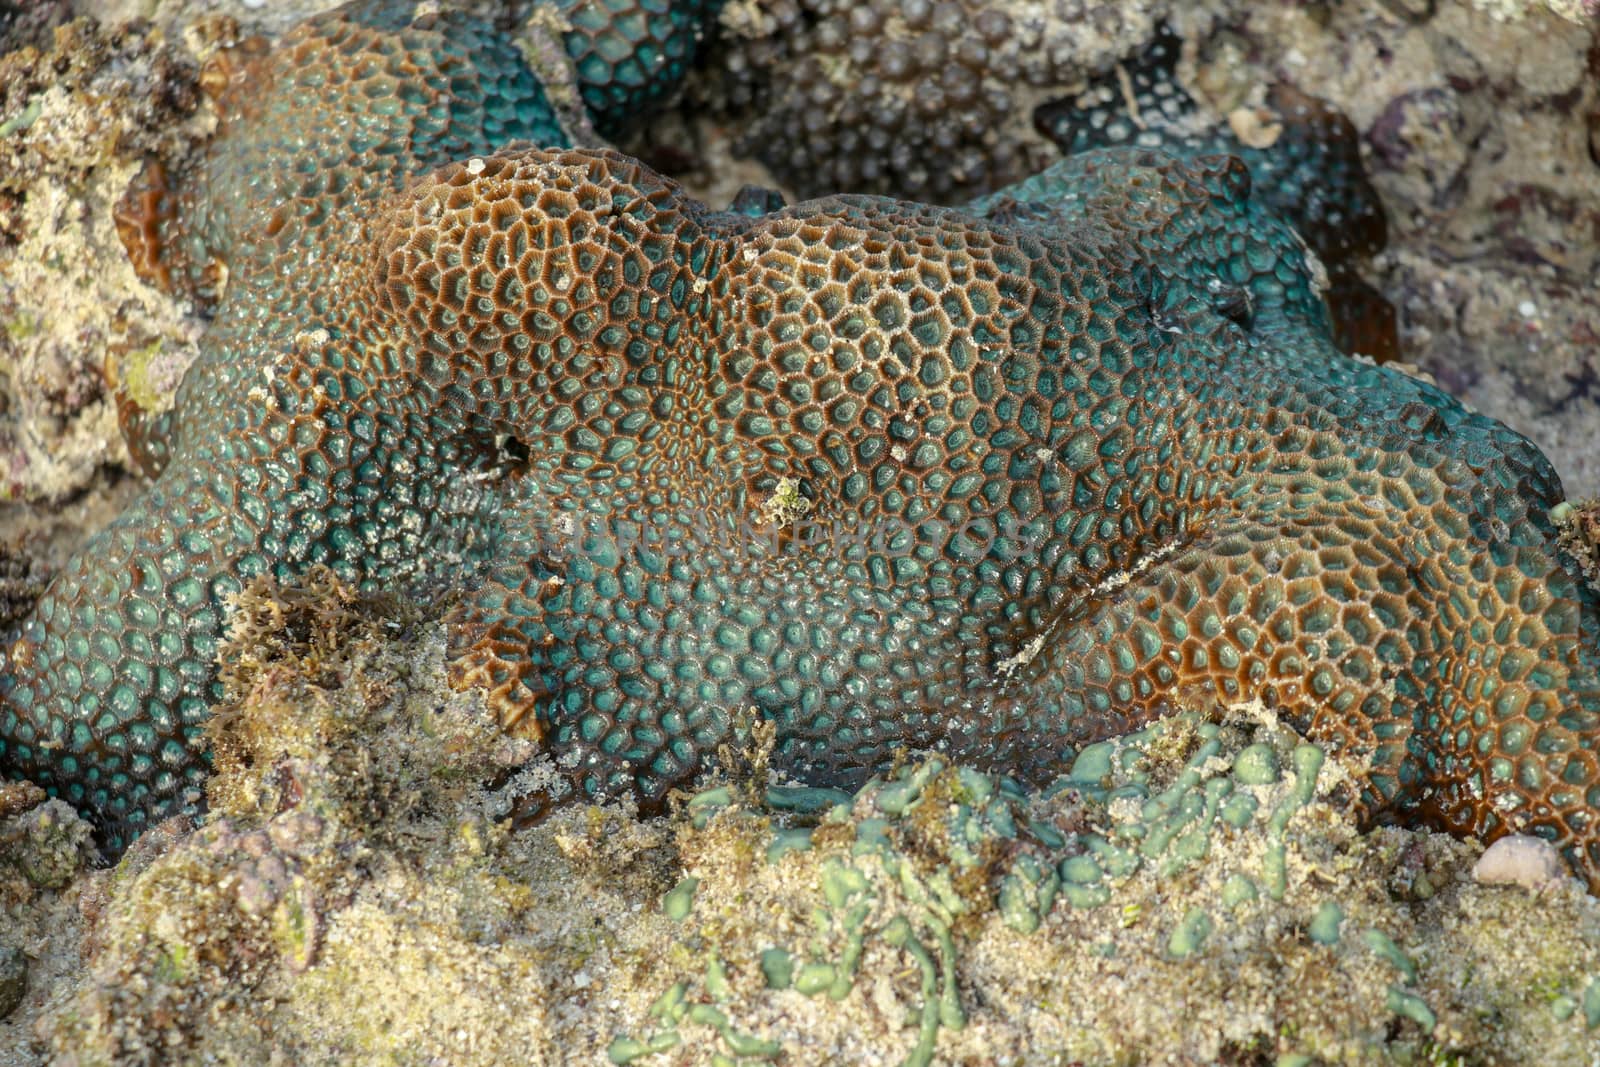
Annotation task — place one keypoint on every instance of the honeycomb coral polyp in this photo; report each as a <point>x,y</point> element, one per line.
<point>629,55</point>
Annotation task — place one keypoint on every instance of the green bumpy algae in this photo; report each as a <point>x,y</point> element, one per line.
<point>1196,909</point>
<point>905,863</point>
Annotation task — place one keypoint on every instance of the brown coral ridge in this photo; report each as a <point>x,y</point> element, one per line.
<point>842,345</point>
<point>940,101</point>
<point>1113,504</point>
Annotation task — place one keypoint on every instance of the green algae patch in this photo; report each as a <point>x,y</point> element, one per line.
<point>22,119</point>
<point>1390,953</point>
<point>1256,765</point>
<point>677,904</point>
<point>1324,927</point>
<point>147,378</point>
<point>1190,935</point>
<point>1412,1007</point>
<point>992,928</point>
<point>777,966</point>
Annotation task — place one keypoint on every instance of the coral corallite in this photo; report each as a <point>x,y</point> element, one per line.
<point>997,481</point>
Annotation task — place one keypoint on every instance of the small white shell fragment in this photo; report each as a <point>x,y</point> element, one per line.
<point>1518,859</point>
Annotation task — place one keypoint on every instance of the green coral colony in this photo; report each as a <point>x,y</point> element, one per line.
<point>1085,447</point>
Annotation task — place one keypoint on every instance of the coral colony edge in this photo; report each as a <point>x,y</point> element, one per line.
<point>1000,481</point>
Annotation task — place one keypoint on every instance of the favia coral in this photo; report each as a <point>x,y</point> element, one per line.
<point>926,99</point>
<point>317,145</point>
<point>630,55</point>
<point>1303,157</point>
<point>1070,459</point>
